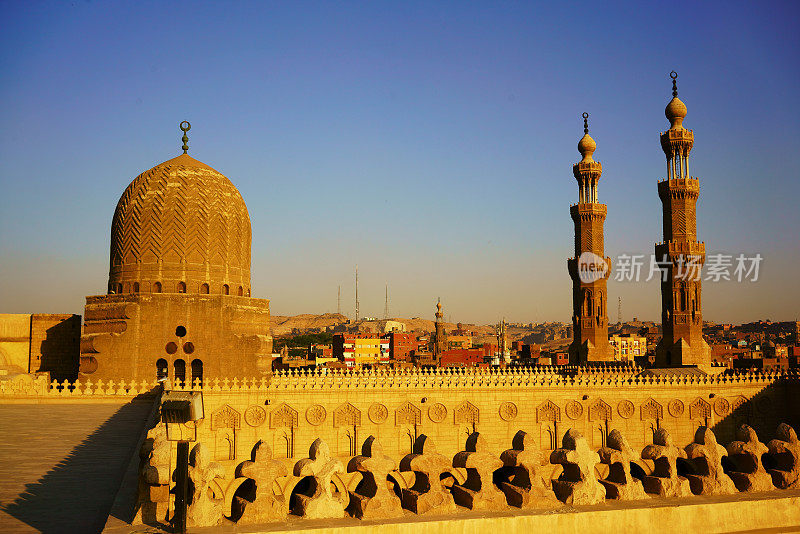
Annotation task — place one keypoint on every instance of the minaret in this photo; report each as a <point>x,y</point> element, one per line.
<point>682,340</point>
<point>440,341</point>
<point>589,269</point>
<point>502,345</point>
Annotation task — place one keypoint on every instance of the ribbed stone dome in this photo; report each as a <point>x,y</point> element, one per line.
<point>181,227</point>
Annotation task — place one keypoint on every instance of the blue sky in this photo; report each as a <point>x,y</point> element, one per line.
<point>430,143</point>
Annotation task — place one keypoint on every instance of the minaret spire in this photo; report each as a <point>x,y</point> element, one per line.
<point>674,76</point>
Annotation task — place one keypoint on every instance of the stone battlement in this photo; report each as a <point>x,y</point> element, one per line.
<point>544,376</point>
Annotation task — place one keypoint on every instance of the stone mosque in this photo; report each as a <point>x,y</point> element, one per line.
<point>179,336</point>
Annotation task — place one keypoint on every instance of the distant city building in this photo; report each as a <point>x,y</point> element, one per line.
<point>459,342</point>
<point>627,346</point>
<point>402,345</point>
<point>358,350</point>
<point>394,326</point>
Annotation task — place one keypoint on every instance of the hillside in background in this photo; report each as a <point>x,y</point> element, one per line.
<point>284,325</point>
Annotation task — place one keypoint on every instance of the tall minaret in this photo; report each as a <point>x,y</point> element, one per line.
<point>682,340</point>
<point>589,269</point>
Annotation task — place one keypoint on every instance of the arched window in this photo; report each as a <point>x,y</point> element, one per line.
<point>197,371</point>
<point>161,368</point>
<point>119,289</point>
<point>181,287</point>
<point>136,287</point>
<point>241,291</point>
<point>226,290</point>
<point>180,370</point>
<point>157,287</point>
<point>204,289</point>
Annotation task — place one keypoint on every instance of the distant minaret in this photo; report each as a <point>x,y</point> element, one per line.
<point>681,317</point>
<point>386,304</point>
<point>357,316</point>
<point>501,340</point>
<point>589,269</point>
<point>440,340</point>
<point>619,311</point>
<point>339,300</point>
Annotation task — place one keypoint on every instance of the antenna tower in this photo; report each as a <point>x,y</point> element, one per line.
<point>386,304</point>
<point>619,311</point>
<point>339,300</point>
<point>356,293</point>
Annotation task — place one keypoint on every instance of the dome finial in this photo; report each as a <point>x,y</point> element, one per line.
<point>586,146</point>
<point>185,126</point>
<point>675,110</point>
<point>674,76</point>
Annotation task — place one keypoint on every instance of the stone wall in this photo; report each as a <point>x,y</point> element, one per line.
<point>15,341</point>
<point>447,405</point>
<point>292,411</point>
<point>125,336</point>
<point>40,342</point>
<point>55,345</point>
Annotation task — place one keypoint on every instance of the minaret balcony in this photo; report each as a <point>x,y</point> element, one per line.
<point>673,249</point>
<point>588,211</point>
<point>587,169</point>
<point>680,188</point>
<point>679,141</point>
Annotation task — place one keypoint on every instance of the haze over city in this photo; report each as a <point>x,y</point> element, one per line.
<point>430,145</point>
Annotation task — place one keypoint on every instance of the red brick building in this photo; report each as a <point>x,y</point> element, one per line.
<point>402,345</point>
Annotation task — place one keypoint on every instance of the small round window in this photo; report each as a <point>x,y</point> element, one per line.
<point>180,331</point>
<point>188,347</point>
<point>171,347</point>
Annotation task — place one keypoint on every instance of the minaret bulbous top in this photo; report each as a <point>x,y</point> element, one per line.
<point>676,109</point>
<point>586,146</point>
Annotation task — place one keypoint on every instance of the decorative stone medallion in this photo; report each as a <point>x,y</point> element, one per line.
<point>508,411</point>
<point>377,413</point>
<point>574,409</point>
<point>626,409</point>
<point>255,415</point>
<point>437,412</point>
<point>722,406</point>
<point>316,414</point>
<point>675,407</point>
